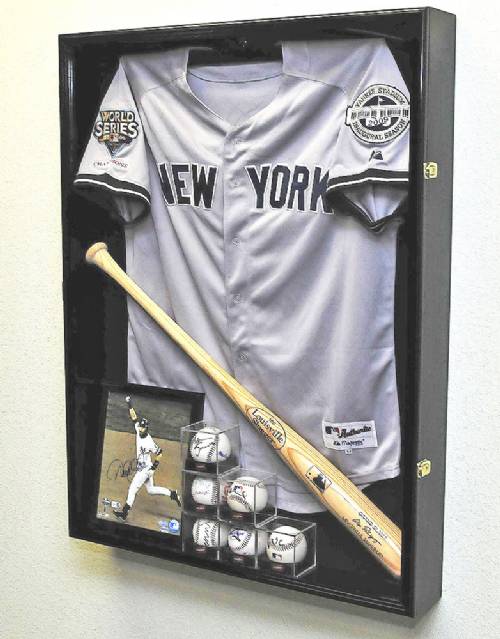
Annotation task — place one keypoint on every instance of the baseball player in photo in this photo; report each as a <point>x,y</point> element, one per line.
<point>145,449</point>
<point>262,202</point>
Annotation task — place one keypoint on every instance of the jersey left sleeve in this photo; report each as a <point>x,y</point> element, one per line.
<point>370,171</point>
<point>114,167</point>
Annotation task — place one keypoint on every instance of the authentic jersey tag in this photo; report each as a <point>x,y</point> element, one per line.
<point>348,436</point>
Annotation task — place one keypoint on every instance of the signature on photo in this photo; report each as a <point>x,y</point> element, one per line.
<point>118,468</point>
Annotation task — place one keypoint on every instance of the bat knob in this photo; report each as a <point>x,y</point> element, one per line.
<point>93,250</point>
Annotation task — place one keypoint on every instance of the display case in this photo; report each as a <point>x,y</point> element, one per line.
<point>268,204</point>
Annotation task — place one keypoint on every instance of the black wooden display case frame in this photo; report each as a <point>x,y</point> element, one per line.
<point>423,277</point>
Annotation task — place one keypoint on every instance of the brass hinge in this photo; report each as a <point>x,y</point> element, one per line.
<point>423,468</point>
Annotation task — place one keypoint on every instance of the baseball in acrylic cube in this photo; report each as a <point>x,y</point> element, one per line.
<point>203,493</point>
<point>290,547</point>
<point>209,447</point>
<point>203,536</point>
<point>250,495</point>
<point>245,544</point>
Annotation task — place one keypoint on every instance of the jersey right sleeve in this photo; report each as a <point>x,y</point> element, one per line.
<point>114,166</point>
<point>372,149</point>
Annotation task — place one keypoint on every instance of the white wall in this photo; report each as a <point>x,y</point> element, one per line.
<point>56,587</point>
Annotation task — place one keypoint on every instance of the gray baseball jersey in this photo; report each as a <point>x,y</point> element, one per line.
<point>235,165</point>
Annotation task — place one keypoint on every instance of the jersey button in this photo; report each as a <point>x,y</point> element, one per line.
<point>236,241</point>
<point>243,357</point>
<point>237,298</point>
<point>234,183</point>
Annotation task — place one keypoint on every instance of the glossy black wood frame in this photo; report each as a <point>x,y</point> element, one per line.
<point>94,353</point>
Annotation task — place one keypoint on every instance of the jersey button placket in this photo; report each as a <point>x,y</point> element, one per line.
<point>234,223</point>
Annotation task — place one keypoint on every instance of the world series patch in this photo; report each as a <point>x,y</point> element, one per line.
<point>116,129</point>
<point>379,114</point>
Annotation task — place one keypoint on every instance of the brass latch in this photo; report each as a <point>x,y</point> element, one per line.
<point>430,170</point>
<point>423,468</point>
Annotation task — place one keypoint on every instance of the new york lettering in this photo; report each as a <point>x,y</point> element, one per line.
<point>188,184</point>
<point>296,187</point>
<point>274,187</point>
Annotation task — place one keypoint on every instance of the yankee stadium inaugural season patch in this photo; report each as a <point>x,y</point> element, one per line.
<point>379,114</point>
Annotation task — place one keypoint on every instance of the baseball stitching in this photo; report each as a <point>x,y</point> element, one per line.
<point>241,500</point>
<point>246,539</point>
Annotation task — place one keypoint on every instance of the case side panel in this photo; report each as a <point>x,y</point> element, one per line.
<point>67,126</point>
<point>438,73</point>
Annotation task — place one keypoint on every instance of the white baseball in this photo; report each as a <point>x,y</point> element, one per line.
<point>242,541</point>
<point>207,491</point>
<point>286,545</point>
<point>209,533</point>
<point>246,495</point>
<point>210,445</point>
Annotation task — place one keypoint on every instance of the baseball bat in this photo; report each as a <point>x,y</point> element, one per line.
<point>333,489</point>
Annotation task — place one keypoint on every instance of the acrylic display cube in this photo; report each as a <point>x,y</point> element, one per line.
<point>246,543</point>
<point>203,494</point>
<point>290,548</point>
<point>203,536</point>
<point>250,496</point>
<point>210,448</point>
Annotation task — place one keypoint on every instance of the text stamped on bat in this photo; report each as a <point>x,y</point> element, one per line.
<point>269,426</point>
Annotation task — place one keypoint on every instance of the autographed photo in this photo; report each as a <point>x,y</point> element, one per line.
<point>140,475</point>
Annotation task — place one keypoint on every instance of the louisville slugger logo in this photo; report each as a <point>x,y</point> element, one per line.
<point>268,425</point>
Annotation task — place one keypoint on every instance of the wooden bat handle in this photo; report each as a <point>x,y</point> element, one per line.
<point>335,491</point>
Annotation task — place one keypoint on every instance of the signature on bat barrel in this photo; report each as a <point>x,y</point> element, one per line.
<point>269,426</point>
